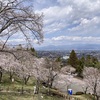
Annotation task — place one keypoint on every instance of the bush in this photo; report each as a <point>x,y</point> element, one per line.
<point>79,93</point>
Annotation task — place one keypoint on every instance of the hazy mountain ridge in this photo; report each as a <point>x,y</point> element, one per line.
<point>70,47</point>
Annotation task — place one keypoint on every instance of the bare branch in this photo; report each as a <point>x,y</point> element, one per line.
<point>14,15</point>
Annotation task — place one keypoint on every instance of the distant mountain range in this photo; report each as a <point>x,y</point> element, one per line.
<point>70,47</point>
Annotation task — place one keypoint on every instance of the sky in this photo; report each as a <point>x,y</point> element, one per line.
<point>69,22</point>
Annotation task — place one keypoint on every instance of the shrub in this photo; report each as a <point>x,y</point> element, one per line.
<point>79,93</point>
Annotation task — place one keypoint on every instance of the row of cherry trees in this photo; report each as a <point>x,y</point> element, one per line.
<point>17,17</point>
<point>25,65</point>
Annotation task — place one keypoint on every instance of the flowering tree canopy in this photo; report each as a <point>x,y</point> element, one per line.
<point>18,17</point>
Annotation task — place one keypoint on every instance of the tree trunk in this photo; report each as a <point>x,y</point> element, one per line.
<point>38,89</point>
<point>37,86</point>
<point>86,90</point>
<point>97,98</point>
<point>22,90</point>
<point>95,93</point>
<point>26,80</point>
<point>11,75</point>
<point>0,74</point>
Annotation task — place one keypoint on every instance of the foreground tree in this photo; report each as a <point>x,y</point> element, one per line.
<point>26,64</point>
<point>92,79</point>
<point>8,64</point>
<point>53,69</point>
<point>18,17</point>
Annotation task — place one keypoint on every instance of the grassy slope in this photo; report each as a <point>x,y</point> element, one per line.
<point>11,91</point>
<point>12,96</point>
<point>83,97</point>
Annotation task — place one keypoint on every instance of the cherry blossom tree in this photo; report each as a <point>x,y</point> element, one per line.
<point>8,63</point>
<point>25,59</point>
<point>92,79</point>
<point>17,17</point>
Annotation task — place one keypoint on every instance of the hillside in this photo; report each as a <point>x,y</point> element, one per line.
<point>27,70</point>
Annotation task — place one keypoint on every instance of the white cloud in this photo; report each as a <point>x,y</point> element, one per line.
<point>56,26</point>
<point>55,13</point>
<point>77,39</point>
<point>87,26</point>
<point>16,40</point>
<point>55,18</point>
<point>69,40</point>
<point>90,5</point>
<point>77,16</point>
<point>74,18</point>
<point>40,1</point>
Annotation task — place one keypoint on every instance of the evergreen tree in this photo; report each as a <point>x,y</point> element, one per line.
<point>80,67</point>
<point>73,60</point>
<point>58,59</point>
<point>91,61</point>
<point>82,60</point>
<point>33,51</point>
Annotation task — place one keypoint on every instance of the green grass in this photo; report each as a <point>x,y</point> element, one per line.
<point>12,91</point>
<point>84,97</point>
<point>17,96</point>
<point>14,96</point>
